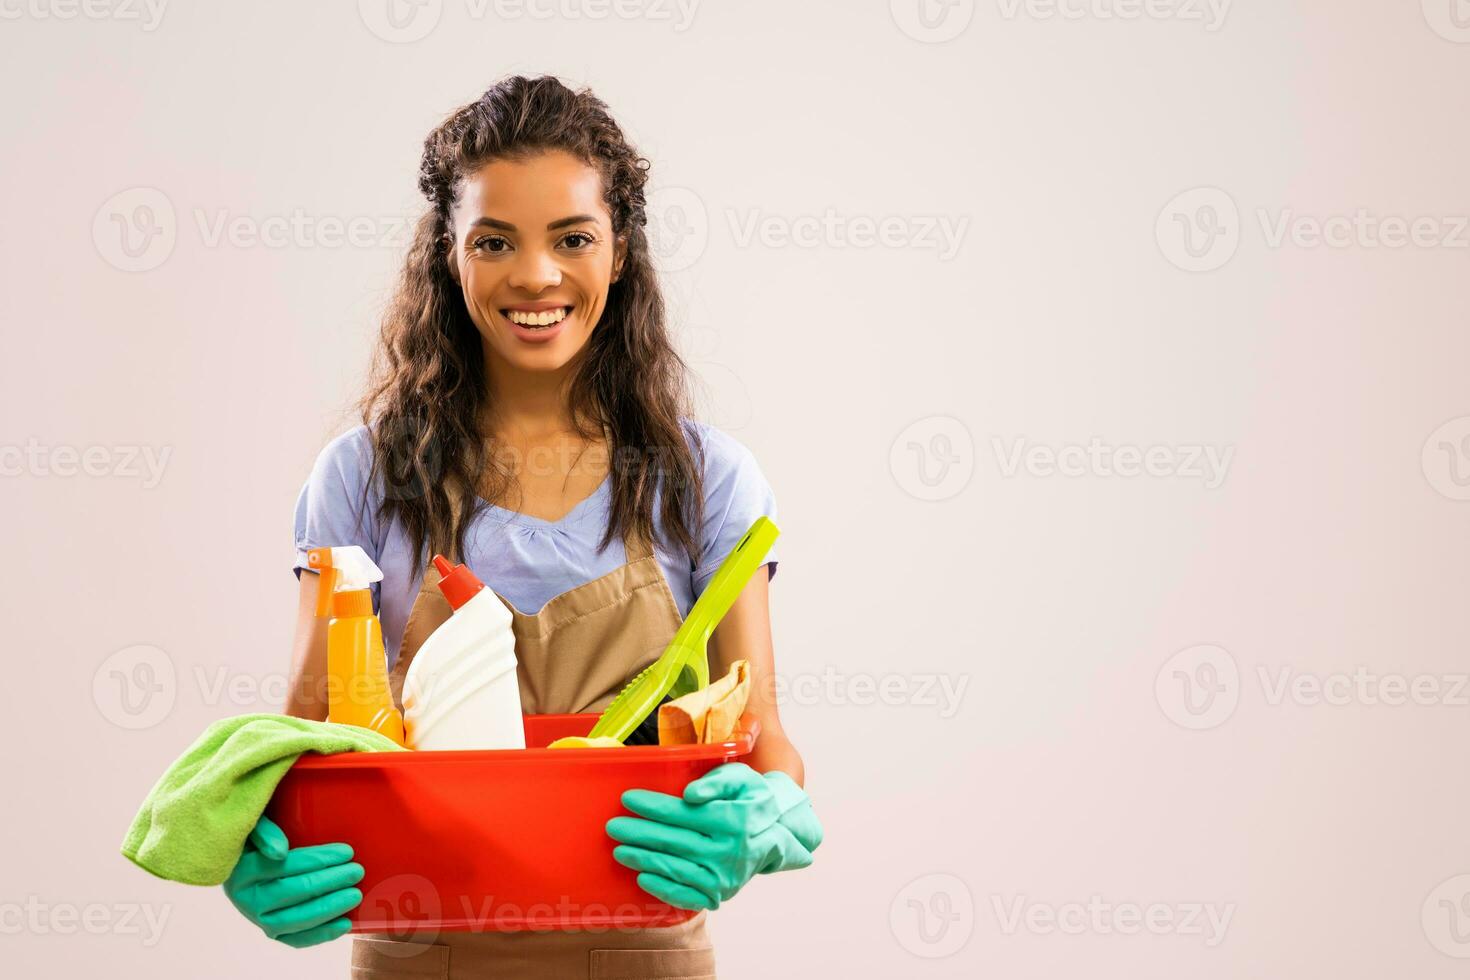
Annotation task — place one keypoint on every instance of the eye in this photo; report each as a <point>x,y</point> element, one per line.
<point>586,238</point>
<point>480,243</point>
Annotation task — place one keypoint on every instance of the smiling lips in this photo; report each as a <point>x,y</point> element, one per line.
<point>537,323</point>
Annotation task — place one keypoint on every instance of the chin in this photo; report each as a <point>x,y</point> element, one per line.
<point>543,363</point>
<point>548,358</point>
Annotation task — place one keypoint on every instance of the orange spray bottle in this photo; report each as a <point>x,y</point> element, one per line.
<point>357,666</point>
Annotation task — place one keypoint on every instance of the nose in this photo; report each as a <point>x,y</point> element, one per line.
<point>535,270</point>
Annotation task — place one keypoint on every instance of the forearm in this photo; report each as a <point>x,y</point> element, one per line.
<point>745,634</point>
<point>305,699</point>
<point>306,692</point>
<point>773,752</point>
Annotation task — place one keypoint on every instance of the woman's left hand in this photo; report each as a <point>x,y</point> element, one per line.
<point>731,824</point>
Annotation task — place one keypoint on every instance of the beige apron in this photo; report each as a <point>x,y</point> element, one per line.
<point>574,655</point>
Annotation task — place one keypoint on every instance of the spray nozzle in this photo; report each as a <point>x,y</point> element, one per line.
<point>343,569</point>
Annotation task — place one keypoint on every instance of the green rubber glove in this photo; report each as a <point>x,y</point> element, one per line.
<point>731,825</point>
<point>297,896</point>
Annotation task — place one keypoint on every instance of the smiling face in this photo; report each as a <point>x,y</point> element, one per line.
<point>534,254</point>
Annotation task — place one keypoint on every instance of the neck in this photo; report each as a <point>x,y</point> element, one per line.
<point>527,404</point>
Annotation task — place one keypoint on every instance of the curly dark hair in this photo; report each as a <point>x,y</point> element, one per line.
<point>429,389</point>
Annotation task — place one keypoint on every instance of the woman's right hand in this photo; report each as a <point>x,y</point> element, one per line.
<point>298,897</point>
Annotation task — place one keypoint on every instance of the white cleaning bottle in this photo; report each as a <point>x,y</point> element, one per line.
<point>461,691</point>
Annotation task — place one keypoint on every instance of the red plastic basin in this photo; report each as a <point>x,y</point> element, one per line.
<point>499,840</point>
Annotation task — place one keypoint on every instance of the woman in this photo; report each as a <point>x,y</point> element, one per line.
<point>529,415</point>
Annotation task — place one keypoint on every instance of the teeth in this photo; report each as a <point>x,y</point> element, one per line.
<point>543,319</point>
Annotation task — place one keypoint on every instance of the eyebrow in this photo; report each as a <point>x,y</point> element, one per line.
<point>575,219</point>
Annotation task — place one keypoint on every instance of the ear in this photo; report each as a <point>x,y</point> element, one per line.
<point>446,251</point>
<point>620,255</point>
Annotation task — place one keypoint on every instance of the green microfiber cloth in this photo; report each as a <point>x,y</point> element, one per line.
<point>193,825</point>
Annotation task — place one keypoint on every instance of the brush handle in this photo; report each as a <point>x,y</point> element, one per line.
<point>728,582</point>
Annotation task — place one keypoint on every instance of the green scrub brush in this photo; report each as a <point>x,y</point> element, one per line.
<point>684,665</point>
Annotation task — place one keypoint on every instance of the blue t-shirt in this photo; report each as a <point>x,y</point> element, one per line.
<point>525,559</point>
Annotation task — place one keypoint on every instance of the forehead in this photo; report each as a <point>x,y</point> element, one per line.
<point>533,191</point>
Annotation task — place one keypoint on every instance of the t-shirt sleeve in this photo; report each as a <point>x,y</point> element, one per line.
<point>735,494</point>
<point>331,510</point>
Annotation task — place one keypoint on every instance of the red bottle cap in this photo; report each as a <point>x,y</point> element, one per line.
<point>457,582</point>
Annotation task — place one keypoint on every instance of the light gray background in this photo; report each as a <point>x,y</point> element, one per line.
<point>1122,737</point>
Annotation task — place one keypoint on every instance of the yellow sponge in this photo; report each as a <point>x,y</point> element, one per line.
<point>582,742</point>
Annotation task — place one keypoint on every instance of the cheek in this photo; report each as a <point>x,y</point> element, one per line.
<point>476,288</point>
<point>597,283</point>
<point>478,284</point>
<point>470,276</point>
